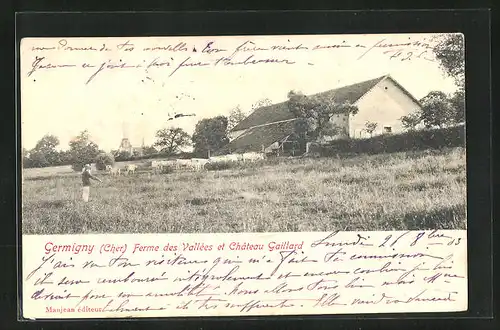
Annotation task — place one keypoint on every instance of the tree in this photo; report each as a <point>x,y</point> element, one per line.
<point>210,134</point>
<point>332,129</point>
<point>26,162</point>
<point>83,151</point>
<point>450,53</point>
<point>104,159</point>
<point>44,153</point>
<point>317,112</point>
<point>47,143</point>
<point>122,155</point>
<point>458,103</point>
<point>171,140</point>
<point>149,150</point>
<point>411,120</point>
<point>235,117</point>
<point>301,128</point>
<point>65,157</point>
<point>265,102</point>
<point>370,127</point>
<point>437,110</point>
<point>38,159</point>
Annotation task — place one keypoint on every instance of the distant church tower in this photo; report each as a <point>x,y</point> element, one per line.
<point>125,145</point>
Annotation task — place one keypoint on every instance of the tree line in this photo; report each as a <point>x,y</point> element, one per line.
<point>210,134</point>
<point>314,114</point>
<point>438,108</point>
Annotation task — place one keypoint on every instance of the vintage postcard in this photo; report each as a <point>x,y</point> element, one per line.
<point>243,175</point>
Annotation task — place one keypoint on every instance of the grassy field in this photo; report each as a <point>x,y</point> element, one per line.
<point>418,190</point>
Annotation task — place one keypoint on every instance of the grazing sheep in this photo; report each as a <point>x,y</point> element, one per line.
<point>112,170</point>
<point>199,163</point>
<point>253,156</point>
<point>130,169</point>
<point>183,163</point>
<point>157,166</point>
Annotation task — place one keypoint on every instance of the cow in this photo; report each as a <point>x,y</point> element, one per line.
<point>216,159</point>
<point>252,156</point>
<point>234,157</point>
<point>157,166</point>
<point>168,163</point>
<point>183,163</point>
<point>226,158</point>
<point>130,168</point>
<point>112,170</point>
<point>199,163</point>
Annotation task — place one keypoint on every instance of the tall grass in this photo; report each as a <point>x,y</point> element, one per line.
<point>400,191</point>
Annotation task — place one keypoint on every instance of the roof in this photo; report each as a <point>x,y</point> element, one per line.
<point>405,91</point>
<point>265,115</point>
<point>279,111</point>
<point>256,137</point>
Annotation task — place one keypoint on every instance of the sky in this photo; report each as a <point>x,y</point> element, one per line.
<point>59,96</point>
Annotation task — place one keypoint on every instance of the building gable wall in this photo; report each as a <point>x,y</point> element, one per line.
<point>385,104</point>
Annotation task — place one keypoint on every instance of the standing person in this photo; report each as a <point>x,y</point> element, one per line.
<point>86,176</point>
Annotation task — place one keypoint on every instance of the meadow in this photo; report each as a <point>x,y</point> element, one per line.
<point>397,191</point>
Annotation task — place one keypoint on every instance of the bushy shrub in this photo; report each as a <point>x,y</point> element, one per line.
<point>314,147</point>
<point>167,169</point>
<point>410,141</point>
<point>104,159</point>
<point>218,166</point>
<point>123,156</point>
<point>77,166</point>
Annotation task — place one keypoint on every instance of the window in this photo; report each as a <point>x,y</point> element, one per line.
<point>387,129</point>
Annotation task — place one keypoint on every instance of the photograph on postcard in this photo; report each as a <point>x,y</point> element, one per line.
<point>322,133</point>
<point>335,164</point>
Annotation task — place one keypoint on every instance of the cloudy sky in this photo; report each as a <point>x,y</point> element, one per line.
<point>58,98</point>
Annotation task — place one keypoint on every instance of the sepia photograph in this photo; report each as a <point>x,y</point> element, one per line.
<point>243,134</point>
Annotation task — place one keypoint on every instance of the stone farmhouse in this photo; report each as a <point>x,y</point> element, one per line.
<point>381,100</point>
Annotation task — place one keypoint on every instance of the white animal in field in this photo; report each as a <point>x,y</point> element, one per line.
<point>227,158</point>
<point>216,159</point>
<point>112,170</point>
<point>234,158</point>
<point>199,163</point>
<point>130,169</point>
<point>183,164</point>
<point>198,166</point>
<point>156,166</point>
<point>252,156</point>
<point>168,163</point>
